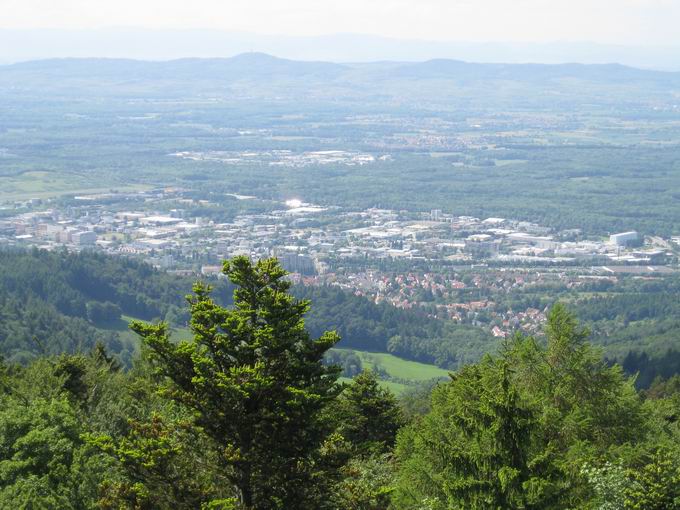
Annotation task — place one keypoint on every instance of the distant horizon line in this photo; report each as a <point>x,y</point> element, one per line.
<point>339,63</point>
<point>19,45</point>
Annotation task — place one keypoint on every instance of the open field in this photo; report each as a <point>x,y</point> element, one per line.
<point>400,368</point>
<point>401,373</point>
<point>40,184</point>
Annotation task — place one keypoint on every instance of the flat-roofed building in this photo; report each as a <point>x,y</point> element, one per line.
<point>87,238</point>
<point>159,220</point>
<point>624,239</point>
<point>297,263</point>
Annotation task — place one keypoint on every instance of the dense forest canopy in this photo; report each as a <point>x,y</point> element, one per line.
<point>246,416</point>
<point>54,302</point>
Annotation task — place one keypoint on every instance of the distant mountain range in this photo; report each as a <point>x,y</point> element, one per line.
<point>246,65</point>
<point>263,75</point>
<point>254,64</point>
<point>22,45</point>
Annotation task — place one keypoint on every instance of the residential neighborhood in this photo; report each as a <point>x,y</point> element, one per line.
<point>452,266</point>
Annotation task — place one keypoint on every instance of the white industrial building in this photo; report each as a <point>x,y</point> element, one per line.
<point>624,239</point>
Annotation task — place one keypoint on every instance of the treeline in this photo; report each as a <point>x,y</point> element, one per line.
<point>246,416</point>
<point>638,323</point>
<point>543,425</point>
<point>634,300</point>
<point>30,327</point>
<point>68,282</point>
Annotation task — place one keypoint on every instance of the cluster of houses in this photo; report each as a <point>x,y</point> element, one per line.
<point>331,245</point>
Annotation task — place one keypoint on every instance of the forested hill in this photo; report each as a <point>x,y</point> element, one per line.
<point>262,76</point>
<point>409,334</point>
<point>54,302</point>
<point>247,416</point>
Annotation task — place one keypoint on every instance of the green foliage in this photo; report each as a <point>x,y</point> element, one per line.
<point>514,431</point>
<point>408,334</point>
<point>656,484</point>
<point>586,405</point>
<point>50,301</point>
<point>636,321</point>
<point>102,313</point>
<point>664,388</point>
<point>415,401</point>
<point>369,416</point>
<point>159,464</point>
<point>72,370</point>
<point>653,371</point>
<point>53,303</point>
<point>256,382</point>
<point>479,447</point>
<point>348,361</point>
<point>366,484</point>
<point>609,484</point>
<point>68,282</point>
<point>246,415</point>
<point>44,462</point>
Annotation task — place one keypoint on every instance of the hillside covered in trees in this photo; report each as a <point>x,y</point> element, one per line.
<point>56,302</point>
<point>246,416</point>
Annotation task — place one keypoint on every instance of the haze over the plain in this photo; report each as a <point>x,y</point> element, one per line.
<point>633,32</point>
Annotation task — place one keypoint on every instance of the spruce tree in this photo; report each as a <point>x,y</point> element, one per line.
<point>476,449</point>
<point>256,383</point>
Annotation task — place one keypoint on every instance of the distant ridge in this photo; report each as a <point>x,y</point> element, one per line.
<point>442,68</point>
<point>250,65</point>
<point>257,63</point>
<point>23,45</point>
<point>256,75</point>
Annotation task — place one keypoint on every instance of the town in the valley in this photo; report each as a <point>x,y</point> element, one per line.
<point>456,267</point>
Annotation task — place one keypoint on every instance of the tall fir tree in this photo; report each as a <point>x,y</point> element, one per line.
<point>256,382</point>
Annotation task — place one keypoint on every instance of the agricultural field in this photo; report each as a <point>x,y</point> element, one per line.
<point>47,184</point>
<point>395,373</point>
<point>400,368</point>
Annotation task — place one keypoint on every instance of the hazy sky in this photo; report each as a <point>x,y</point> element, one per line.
<point>653,22</point>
